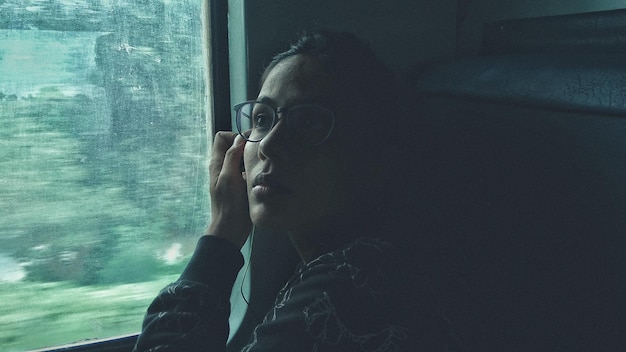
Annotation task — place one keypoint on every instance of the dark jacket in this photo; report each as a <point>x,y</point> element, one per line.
<point>362,297</point>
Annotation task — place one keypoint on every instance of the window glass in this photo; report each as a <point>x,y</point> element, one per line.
<point>103,140</point>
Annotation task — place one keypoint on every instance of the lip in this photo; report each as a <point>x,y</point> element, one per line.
<point>265,185</point>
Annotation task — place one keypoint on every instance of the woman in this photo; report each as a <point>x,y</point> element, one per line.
<point>318,160</point>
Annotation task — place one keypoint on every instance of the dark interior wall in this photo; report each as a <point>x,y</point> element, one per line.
<point>404,33</point>
<point>401,32</point>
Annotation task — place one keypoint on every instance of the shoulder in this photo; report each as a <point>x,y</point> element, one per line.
<point>364,265</point>
<point>370,294</point>
<point>349,298</point>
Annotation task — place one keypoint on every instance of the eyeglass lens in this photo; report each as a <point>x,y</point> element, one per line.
<point>309,124</point>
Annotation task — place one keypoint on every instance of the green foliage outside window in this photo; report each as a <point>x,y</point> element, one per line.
<point>103,144</point>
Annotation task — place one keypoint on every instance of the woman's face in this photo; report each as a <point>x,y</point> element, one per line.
<point>292,187</point>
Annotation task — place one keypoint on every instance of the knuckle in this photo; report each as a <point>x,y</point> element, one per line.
<point>231,152</point>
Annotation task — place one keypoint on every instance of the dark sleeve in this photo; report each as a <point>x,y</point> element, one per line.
<point>192,313</point>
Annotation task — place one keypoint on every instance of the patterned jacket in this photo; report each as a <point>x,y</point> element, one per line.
<point>362,297</point>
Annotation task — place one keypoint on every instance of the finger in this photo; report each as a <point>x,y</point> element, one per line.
<point>222,142</point>
<point>232,160</point>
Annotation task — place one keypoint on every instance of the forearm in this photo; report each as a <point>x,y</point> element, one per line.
<point>192,313</point>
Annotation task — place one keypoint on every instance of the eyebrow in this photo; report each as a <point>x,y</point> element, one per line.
<point>267,100</point>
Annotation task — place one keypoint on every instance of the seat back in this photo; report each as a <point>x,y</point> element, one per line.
<point>518,182</point>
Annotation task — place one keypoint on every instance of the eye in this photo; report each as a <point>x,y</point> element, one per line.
<point>309,119</point>
<point>313,122</point>
<point>262,121</point>
<point>262,117</point>
<point>310,124</point>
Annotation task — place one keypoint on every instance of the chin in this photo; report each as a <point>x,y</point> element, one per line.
<point>266,218</point>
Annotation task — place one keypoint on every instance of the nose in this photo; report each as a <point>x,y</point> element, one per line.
<point>276,144</point>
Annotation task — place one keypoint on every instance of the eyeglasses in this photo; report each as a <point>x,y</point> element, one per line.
<point>309,124</point>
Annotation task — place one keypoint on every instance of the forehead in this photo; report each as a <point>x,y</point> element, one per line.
<point>295,80</point>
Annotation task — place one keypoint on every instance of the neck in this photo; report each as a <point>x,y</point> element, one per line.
<point>306,246</point>
<point>327,238</point>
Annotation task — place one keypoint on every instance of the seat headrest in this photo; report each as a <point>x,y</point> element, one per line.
<point>590,83</point>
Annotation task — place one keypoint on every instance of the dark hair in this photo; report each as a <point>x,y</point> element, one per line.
<point>363,81</point>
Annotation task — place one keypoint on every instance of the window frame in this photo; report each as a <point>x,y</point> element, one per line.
<point>216,32</point>
<point>124,343</point>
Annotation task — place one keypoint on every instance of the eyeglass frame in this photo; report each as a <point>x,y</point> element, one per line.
<point>278,110</point>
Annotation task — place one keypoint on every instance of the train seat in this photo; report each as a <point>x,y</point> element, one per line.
<point>519,184</point>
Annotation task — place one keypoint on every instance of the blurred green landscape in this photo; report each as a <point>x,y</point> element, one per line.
<point>36,315</point>
<point>103,143</point>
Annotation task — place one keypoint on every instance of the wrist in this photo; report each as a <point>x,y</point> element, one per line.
<point>236,235</point>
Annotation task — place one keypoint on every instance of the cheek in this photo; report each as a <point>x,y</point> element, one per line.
<point>332,181</point>
<point>249,154</point>
<point>249,160</point>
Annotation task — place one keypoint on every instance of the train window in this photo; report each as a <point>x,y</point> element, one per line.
<point>103,138</point>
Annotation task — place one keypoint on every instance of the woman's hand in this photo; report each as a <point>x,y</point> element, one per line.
<point>230,217</point>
